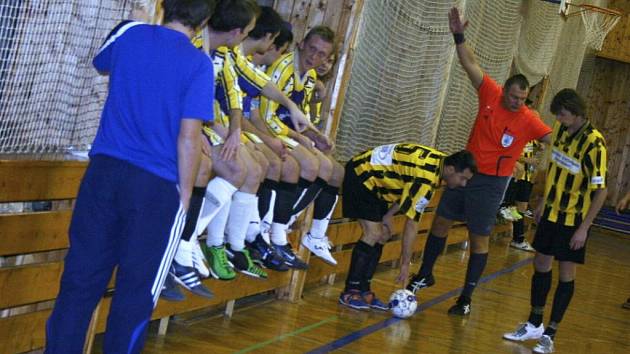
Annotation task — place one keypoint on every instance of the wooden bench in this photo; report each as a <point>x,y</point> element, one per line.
<point>32,245</point>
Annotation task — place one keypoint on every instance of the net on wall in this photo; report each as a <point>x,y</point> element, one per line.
<point>396,90</point>
<point>50,96</point>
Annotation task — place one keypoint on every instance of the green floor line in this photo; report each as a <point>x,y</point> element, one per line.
<point>286,335</point>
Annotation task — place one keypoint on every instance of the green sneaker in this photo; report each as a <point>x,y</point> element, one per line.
<point>217,259</point>
<point>515,213</point>
<point>242,262</point>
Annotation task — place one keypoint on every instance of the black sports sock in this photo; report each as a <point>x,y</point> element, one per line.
<point>541,283</point>
<point>194,208</point>
<point>264,195</point>
<point>312,191</point>
<point>551,330</point>
<point>432,249</point>
<point>285,198</point>
<point>325,201</point>
<point>561,300</point>
<point>476,264</point>
<point>359,263</point>
<point>518,233</point>
<point>377,250</point>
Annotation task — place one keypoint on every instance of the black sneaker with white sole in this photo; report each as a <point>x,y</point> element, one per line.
<point>289,256</point>
<point>418,282</point>
<point>461,308</point>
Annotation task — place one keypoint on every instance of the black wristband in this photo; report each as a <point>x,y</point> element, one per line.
<point>459,38</point>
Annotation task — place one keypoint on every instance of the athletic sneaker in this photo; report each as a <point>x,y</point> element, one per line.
<point>417,282</point>
<point>353,299</point>
<point>506,214</point>
<point>290,259</point>
<point>528,213</point>
<point>189,279</point>
<point>242,262</point>
<point>319,247</point>
<point>170,290</point>
<point>264,255</point>
<point>525,331</point>
<point>515,213</point>
<point>544,345</point>
<point>523,246</point>
<point>461,308</point>
<point>370,298</point>
<point>219,266</point>
<point>199,259</point>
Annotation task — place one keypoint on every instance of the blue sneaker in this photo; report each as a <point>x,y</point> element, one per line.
<point>370,298</point>
<point>189,279</point>
<point>353,299</point>
<point>290,258</point>
<point>265,256</point>
<point>170,290</point>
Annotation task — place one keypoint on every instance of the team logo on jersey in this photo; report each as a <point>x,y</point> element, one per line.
<point>565,161</point>
<point>383,155</point>
<point>422,204</point>
<point>507,140</point>
<point>597,180</point>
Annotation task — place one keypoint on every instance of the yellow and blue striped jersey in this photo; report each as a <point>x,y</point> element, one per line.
<point>577,167</point>
<point>285,75</point>
<point>406,174</point>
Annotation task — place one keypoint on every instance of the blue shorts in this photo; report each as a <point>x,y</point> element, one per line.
<point>476,204</point>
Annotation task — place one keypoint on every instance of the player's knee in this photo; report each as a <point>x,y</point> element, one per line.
<point>567,271</point>
<point>275,165</point>
<point>336,179</point>
<point>263,162</point>
<point>542,263</point>
<point>309,167</point>
<point>205,172</point>
<point>325,167</point>
<point>254,173</point>
<point>440,226</point>
<point>290,169</point>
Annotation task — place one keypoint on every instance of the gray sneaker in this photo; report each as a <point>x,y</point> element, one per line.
<point>523,246</point>
<point>544,345</point>
<point>525,331</point>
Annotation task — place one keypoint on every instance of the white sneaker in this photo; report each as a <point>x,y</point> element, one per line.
<point>544,345</point>
<point>506,214</point>
<point>525,331</point>
<point>319,247</point>
<point>199,261</point>
<point>523,246</point>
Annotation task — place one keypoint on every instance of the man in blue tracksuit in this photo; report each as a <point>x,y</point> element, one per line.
<point>131,206</point>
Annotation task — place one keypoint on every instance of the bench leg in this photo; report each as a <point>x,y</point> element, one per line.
<point>163,325</point>
<point>229,308</point>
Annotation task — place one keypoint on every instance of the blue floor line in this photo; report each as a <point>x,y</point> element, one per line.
<point>354,336</point>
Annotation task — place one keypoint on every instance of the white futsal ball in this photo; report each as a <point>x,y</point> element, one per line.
<point>403,303</point>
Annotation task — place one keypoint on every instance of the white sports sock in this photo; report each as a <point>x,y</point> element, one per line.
<point>279,234</point>
<point>218,192</point>
<point>216,228</point>
<point>319,227</point>
<point>183,255</point>
<point>253,229</point>
<point>241,210</point>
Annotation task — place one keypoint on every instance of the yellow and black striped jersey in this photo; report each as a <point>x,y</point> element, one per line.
<point>529,152</point>
<point>285,74</point>
<point>405,174</point>
<point>576,168</point>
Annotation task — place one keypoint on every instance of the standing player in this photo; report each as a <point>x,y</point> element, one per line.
<point>149,140</point>
<point>502,128</point>
<point>378,184</point>
<point>575,190</point>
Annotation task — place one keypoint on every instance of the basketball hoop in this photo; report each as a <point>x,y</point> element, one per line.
<point>598,21</point>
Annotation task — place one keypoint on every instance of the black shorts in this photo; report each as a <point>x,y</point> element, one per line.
<point>358,202</point>
<point>552,239</point>
<point>476,204</point>
<point>518,191</point>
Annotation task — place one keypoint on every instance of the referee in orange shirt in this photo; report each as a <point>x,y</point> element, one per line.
<point>503,126</point>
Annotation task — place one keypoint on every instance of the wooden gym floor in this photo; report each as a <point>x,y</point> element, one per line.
<point>594,322</point>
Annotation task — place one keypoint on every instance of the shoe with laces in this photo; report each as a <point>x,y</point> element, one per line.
<point>242,262</point>
<point>290,259</point>
<point>418,282</point>
<point>198,259</point>
<point>170,290</point>
<point>219,265</point>
<point>525,331</point>
<point>189,279</point>
<point>523,246</point>
<point>319,247</point>
<point>544,345</point>
<point>461,308</point>
<point>370,298</point>
<point>353,299</point>
<point>265,256</point>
